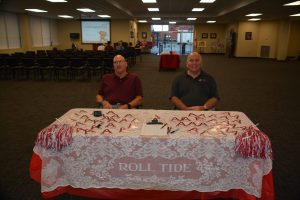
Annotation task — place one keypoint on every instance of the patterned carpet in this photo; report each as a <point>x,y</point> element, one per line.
<point>264,89</point>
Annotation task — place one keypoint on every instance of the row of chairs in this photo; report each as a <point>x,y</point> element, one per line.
<point>69,68</point>
<point>129,53</point>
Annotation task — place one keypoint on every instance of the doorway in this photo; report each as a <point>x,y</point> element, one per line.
<point>172,38</point>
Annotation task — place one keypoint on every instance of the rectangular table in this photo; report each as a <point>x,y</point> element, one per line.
<point>169,61</point>
<point>190,155</point>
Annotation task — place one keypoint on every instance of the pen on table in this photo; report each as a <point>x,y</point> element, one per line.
<point>169,129</point>
<point>174,131</point>
<point>58,120</point>
<point>163,125</point>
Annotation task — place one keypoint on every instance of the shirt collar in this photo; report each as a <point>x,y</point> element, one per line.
<point>117,77</point>
<point>198,77</point>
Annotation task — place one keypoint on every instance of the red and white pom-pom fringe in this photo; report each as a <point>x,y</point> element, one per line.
<point>253,143</point>
<point>55,136</point>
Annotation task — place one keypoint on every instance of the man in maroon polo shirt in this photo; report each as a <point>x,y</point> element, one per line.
<point>120,89</point>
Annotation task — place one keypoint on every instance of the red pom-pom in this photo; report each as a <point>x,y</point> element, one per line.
<point>55,136</point>
<point>253,143</point>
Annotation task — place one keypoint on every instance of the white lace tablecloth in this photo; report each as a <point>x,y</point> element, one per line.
<point>190,151</point>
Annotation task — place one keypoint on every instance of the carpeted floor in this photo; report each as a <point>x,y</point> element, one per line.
<point>264,89</point>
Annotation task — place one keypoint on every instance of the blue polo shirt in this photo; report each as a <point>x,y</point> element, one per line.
<point>194,92</point>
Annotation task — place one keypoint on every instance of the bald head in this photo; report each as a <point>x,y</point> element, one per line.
<point>194,63</point>
<point>120,65</point>
<point>119,58</point>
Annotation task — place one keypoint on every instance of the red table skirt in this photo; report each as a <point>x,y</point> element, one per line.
<point>124,194</point>
<point>171,61</point>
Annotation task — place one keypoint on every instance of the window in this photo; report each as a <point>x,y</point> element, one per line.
<point>43,32</point>
<point>159,28</point>
<point>9,31</point>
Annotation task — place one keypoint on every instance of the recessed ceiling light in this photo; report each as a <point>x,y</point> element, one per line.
<point>197,9</point>
<point>85,10</point>
<point>57,1</point>
<point>142,21</point>
<point>149,1</point>
<point>254,19</point>
<point>35,10</point>
<point>191,18</point>
<point>295,15</point>
<point>104,16</point>
<point>295,3</point>
<point>172,22</point>
<point>65,16</point>
<point>207,1</point>
<point>210,21</point>
<point>156,18</point>
<point>153,9</point>
<point>254,14</point>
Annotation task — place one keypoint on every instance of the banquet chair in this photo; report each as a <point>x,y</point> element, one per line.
<point>29,66</point>
<point>108,65</point>
<point>95,67</point>
<point>78,67</point>
<point>13,66</point>
<point>61,65</point>
<point>45,66</point>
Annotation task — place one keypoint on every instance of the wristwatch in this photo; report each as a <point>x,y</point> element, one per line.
<point>129,106</point>
<point>205,107</point>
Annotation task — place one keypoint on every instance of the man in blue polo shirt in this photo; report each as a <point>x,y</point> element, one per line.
<point>120,89</point>
<point>194,89</point>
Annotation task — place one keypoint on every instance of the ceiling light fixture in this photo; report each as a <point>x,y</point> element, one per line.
<point>153,9</point>
<point>85,10</point>
<point>172,22</point>
<point>254,19</point>
<point>295,15</point>
<point>149,1</point>
<point>197,9</point>
<point>35,10</point>
<point>210,21</point>
<point>295,3</point>
<point>156,18</point>
<point>57,1</point>
<point>65,16</point>
<point>104,16</point>
<point>191,18</point>
<point>207,1</point>
<point>142,21</point>
<point>254,14</point>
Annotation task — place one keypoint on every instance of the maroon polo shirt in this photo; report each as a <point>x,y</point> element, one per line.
<point>120,90</point>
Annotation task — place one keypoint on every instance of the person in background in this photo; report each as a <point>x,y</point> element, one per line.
<point>109,47</point>
<point>101,47</point>
<point>119,46</point>
<point>74,47</point>
<point>138,44</point>
<point>120,89</point>
<point>195,89</point>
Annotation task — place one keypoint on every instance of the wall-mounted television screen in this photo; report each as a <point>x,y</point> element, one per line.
<point>74,36</point>
<point>95,31</point>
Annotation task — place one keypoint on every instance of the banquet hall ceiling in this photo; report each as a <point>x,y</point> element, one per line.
<point>222,11</point>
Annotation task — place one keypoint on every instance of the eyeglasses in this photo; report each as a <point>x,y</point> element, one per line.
<point>119,62</point>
